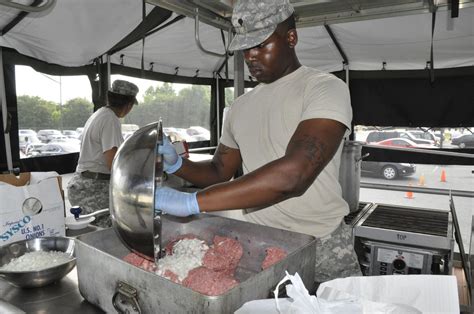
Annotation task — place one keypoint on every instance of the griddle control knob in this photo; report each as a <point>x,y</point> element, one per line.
<point>399,264</point>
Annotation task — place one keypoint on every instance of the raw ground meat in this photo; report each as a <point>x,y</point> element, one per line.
<point>273,255</point>
<point>139,261</point>
<point>215,277</point>
<point>209,282</point>
<point>133,259</point>
<point>224,256</point>
<point>171,276</point>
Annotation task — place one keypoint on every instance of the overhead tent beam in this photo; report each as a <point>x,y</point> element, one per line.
<point>176,19</point>
<point>28,8</point>
<point>312,13</point>
<point>336,43</point>
<point>155,18</point>
<point>18,18</point>
<point>188,9</point>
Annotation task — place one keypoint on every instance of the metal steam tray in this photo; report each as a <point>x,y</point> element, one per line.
<point>105,279</point>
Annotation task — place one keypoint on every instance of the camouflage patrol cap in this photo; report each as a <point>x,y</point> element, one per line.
<point>255,21</point>
<point>125,88</point>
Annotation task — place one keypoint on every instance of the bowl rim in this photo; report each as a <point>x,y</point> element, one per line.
<point>71,255</point>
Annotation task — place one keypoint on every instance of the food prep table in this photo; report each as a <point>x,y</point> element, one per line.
<point>60,297</point>
<point>64,296</point>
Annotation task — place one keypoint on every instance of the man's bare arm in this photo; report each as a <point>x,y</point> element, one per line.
<point>311,147</point>
<point>109,156</point>
<point>221,168</point>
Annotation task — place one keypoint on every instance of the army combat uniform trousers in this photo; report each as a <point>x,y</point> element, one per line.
<point>335,255</point>
<point>91,195</point>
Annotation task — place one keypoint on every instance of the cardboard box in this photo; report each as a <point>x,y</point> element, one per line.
<point>32,205</point>
<point>25,177</point>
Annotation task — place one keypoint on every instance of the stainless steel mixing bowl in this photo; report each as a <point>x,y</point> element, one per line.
<point>132,190</point>
<point>32,279</point>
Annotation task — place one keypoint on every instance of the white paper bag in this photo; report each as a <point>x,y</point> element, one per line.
<point>31,211</point>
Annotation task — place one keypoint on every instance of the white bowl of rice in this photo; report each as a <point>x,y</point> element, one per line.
<point>37,262</point>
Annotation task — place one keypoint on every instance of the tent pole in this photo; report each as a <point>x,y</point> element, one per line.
<point>6,130</point>
<point>346,68</point>
<point>238,73</point>
<point>218,108</point>
<point>108,71</point>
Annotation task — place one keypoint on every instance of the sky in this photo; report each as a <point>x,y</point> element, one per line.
<point>53,88</point>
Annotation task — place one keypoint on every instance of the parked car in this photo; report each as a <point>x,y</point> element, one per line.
<point>403,142</point>
<point>46,135</point>
<point>177,134</point>
<point>387,170</point>
<point>71,134</point>
<point>25,140</point>
<point>58,138</point>
<point>31,149</point>
<point>377,136</point>
<point>421,135</point>
<point>26,132</point>
<point>55,148</point>
<point>198,133</point>
<point>464,141</point>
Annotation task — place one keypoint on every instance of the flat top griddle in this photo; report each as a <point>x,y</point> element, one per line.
<point>408,219</point>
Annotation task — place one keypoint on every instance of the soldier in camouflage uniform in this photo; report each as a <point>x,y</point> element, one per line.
<point>287,133</point>
<point>102,136</point>
<point>91,195</point>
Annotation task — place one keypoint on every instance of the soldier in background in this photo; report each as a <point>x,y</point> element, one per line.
<point>102,136</point>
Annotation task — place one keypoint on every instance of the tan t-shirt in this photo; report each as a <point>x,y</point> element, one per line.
<point>260,124</point>
<point>102,132</point>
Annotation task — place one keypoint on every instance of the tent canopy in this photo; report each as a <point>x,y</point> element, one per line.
<point>372,34</point>
<point>385,44</point>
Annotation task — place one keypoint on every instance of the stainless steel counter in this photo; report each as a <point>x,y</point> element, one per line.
<point>60,297</point>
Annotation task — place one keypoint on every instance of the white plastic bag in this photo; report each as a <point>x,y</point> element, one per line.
<point>299,301</point>
<point>303,302</point>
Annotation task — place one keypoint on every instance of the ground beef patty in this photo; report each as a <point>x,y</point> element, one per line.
<point>209,282</point>
<point>224,255</point>
<point>273,255</point>
<point>214,277</point>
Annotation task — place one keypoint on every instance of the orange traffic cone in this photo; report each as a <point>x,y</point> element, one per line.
<point>409,194</point>
<point>421,181</point>
<point>443,176</point>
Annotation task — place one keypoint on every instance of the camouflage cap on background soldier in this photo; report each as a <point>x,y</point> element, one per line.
<point>125,88</point>
<point>255,21</point>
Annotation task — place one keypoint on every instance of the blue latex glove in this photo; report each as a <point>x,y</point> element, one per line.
<point>171,160</point>
<point>176,203</point>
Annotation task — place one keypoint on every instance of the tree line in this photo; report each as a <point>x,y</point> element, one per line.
<point>188,107</point>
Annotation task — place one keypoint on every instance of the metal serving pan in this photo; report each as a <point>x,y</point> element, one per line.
<point>114,285</point>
